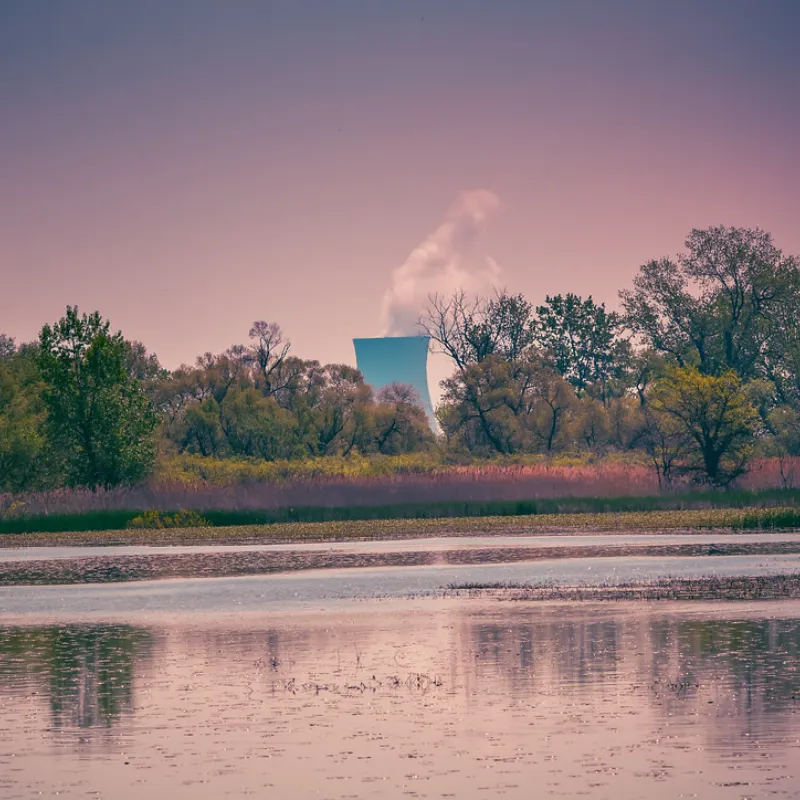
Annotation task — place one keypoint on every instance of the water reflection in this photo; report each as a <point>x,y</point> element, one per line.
<point>568,698</point>
<point>87,672</point>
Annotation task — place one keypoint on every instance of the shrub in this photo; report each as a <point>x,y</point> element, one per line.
<point>161,519</point>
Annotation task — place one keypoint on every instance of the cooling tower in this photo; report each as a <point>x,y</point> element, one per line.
<point>396,359</point>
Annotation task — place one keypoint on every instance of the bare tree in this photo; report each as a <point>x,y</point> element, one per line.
<point>268,353</point>
<point>470,329</point>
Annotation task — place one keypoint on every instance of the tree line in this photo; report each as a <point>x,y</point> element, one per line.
<point>698,371</point>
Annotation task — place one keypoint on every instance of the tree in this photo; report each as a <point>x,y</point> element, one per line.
<point>476,408</point>
<point>583,341</point>
<point>401,424</point>
<point>257,426</point>
<point>334,418</point>
<point>99,420</point>
<point>553,401</point>
<point>268,353</point>
<point>721,305</point>
<point>470,330</point>
<point>202,430</point>
<point>23,447</point>
<point>506,407</point>
<point>7,347</point>
<point>784,422</point>
<point>142,365</point>
<point>711,419</point>
<point>666,443</point>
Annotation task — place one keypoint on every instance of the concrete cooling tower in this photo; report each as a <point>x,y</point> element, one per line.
<point>396,359</point>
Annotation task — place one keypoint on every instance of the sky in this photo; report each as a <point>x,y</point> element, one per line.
<point>187,167</point>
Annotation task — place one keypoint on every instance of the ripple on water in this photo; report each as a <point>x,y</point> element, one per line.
<point>424,698</point>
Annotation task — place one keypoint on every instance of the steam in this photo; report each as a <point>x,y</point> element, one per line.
<point>446,260</point>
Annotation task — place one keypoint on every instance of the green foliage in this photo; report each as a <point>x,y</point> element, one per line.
<point>709,421</point>
<point>161,519</point>
<point>582,340</point>
<point>771,519</point>
<point>257,426</point>
<point>727,304</point>
<point>191,470</point>
<point>736,510</point>
<point>100,423</point>
<point>202,430</point>
<point>498,407</point>
<point>23,446</point>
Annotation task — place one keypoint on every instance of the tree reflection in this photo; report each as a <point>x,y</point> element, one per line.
<point>755,660</point>
<point>87,672</point>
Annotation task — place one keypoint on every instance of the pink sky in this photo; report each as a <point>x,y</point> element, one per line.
<point>186,175</point>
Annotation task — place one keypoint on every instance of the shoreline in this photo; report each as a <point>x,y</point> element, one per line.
<point>690,520</point>
<point>110,569</point>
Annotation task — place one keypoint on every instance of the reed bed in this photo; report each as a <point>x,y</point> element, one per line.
<point>205,484</point>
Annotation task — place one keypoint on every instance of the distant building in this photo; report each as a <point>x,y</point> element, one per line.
<point>396,359</point>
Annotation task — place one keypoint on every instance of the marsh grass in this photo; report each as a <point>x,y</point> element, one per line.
<point>765,587</point>
<point>241,492</point>
<point>765,510</point>
<point>736,519</point>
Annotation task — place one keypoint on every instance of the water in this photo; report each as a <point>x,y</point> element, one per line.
<point>318,589</point>
<point>425,698</point>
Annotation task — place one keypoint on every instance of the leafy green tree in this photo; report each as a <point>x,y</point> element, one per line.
<point>257,426</point>
<point>7,347</point>
<point>202,431</point>
<point>722,305</point>
<point>338,395</point>
<point>143,366</point>
<point>476,409</point>
<point>711,419</point>
<point>401,424</point>
<point>505,407</point>
<point>99,420</point>
<point>23,446</point>
<point>583,341</point>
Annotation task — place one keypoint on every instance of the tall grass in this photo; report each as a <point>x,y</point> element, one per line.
<point>396,486</point>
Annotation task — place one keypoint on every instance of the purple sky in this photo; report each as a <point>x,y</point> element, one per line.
<point>188,167</point>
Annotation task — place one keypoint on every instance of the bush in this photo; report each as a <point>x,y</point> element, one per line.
<point>161,519</point>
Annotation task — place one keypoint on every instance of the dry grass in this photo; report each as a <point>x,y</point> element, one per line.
<point>207,484</point>
<point>491,481</point>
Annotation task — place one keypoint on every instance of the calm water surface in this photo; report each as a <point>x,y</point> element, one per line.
<point>425,698</point>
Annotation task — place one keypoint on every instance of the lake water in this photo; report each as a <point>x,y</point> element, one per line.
<point>423,698</point>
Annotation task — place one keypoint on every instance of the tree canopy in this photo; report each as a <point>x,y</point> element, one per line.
<point>699,374</point>
<point>100,421</point>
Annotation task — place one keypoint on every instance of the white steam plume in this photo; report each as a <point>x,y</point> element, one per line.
<point>445,261</point>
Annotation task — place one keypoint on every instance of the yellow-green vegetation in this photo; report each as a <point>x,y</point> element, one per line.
<point>644,521</point>
<point>158,519</point>
<point>191,469</point>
